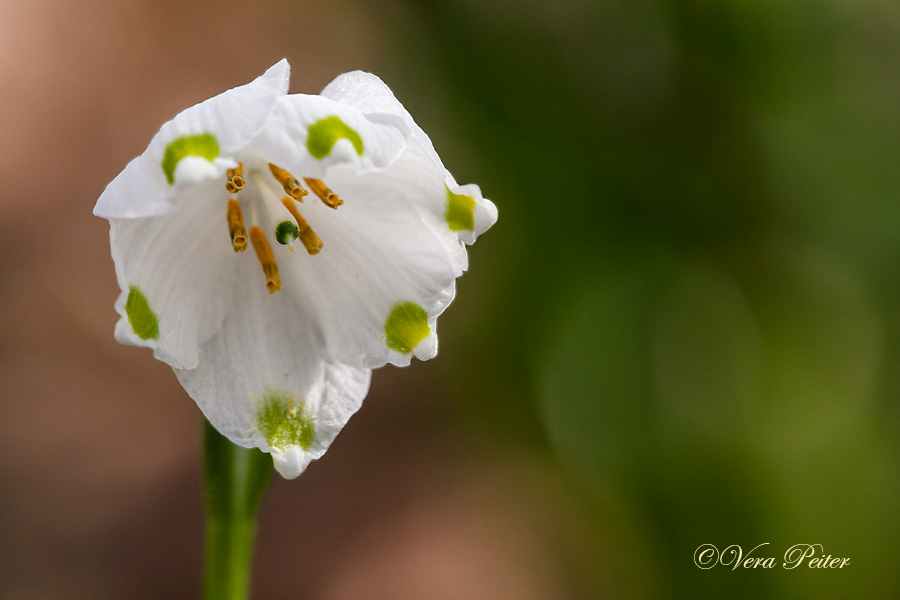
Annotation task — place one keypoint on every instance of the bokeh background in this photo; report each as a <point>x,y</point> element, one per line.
<point>684,329</point>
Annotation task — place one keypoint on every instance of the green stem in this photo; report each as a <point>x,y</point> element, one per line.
<point>236,479</point>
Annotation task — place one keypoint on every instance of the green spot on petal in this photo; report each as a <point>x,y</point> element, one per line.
<point>406,326</point>
<point>323,134</point>
<point>283,423</point>
<point>286,233</point>
<point>460,211</point>
<point>203,145</point>
<point>142,318</point>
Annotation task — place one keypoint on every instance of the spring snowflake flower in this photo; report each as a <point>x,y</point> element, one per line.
<point>357,231</point>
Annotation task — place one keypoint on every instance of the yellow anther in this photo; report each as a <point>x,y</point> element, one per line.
<point>290,184</point>
<point>307,235</point>
<point>236,226</point>
<point>235,177</point>
<point>321,190</point>
<point>237,171</point>
<point>266,259</point>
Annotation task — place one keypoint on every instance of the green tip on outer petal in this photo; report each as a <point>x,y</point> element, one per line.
<point>460,212</point>
<point>142,318</point>
<point>283,423</point>
<point>406,326</point>
<point>203,145</point>
<point>323,134</point>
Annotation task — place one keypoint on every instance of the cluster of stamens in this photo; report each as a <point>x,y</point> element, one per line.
<point>287,231</point>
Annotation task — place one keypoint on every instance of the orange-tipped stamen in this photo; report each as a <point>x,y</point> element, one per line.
<point>235,178</point>
<point>238,170</point>
<point>307,235</point>
<point>290,184</point>
<point>236,226</point>
<point>325,195</point>
<point>266,259</point>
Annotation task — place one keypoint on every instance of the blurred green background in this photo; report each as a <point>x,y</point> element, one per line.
<point>693,302</point>
<point>683,330</point>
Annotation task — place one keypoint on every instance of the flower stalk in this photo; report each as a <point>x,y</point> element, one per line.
<point>235,479</point>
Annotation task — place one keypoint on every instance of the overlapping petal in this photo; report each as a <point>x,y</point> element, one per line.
<point>179,263</point>
<point>232,119</point>
<point>369,94</point>
<point>372,97</point>
<point>309,134</point>
<point>377,254</point>
<point>266,371</point>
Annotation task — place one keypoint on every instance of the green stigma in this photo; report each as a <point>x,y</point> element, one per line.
<point>142,318</point>
<point>203,145</point>
<point>406,326</point>
<point>283,423</point>
<point>286,233</point>
<point>460,211</point>
<point>323,134</point>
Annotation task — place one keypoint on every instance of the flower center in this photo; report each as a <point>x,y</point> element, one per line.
<point>289,224</point>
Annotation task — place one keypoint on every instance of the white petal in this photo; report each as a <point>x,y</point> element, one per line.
<point>378,252</point>
<point>269,350</point>
<point>182,265</point>
<point>302,129</point>
<point>140,190</point>
<point>232,118</point>
<point>370,95</point>
<point>237,115</point>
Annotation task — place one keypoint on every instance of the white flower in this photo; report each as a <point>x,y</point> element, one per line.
<point>276,345</point>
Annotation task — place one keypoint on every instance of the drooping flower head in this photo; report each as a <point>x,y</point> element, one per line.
<point>357,232</point>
